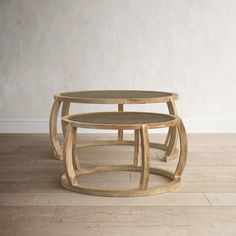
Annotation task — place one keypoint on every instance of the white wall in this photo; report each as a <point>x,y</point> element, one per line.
<point>185,46</point>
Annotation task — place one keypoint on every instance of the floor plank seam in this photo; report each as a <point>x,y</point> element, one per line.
<point>208,199</point>
<point>53,217</point>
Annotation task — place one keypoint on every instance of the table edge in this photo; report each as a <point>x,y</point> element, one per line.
<point>166,98</point>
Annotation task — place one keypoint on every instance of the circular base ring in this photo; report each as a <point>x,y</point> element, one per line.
<point>173,184</point>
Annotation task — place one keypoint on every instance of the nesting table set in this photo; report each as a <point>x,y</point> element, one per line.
<point>120,120</point>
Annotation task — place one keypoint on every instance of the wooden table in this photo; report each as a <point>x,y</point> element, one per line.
<point>119,97</point>
<point>140,122</point>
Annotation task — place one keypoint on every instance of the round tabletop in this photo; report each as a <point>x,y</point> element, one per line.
<point>124,120</point>
<point>116,96</point>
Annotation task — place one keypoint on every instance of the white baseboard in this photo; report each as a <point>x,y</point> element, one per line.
<point>41,126</point>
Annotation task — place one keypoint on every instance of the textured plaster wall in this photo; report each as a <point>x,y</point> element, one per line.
<point>186,46</point>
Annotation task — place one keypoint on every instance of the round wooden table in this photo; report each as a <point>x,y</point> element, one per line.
<point>140,122</point>
<point>119,97</point>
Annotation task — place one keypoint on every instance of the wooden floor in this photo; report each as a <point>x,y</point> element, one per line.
<point>32,202</point>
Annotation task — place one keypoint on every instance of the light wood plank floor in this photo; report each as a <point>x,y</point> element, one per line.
<point>32,202</point>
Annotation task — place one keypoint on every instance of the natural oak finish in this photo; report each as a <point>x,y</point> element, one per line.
<point>68,155</point>
<point>120,131</point>
<point>58,151</point>
<point>137,147</point>
<point>145,158</point>
<point>116,96</point>
<point>64,112</point>
<point>172,135</point>
<point>124,120</point>
<point>138,121</point>
<point>119,97</point>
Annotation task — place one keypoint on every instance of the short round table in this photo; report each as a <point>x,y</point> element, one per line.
<point>140,122</point>
<point>119,97</point>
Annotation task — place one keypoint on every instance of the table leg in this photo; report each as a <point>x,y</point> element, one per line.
<point>120,132</point>
<point>167,141</point>
<point>183,149</point>
<point>75,153</point>
<point>64,112</point>
<point>58,151</point>
<point>137,147</point>
<point>68,155</point>
<point>171,139</point>
<point>145,158</point>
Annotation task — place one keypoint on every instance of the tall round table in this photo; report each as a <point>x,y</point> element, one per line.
<point>119,97</point>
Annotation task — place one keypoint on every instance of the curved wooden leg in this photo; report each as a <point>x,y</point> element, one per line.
<point>68,155</point>
<point>145,158</point>
<point>171,145</point>
<point>75,153</point>
<point>183,149</point>
<point>167,141</point>
<point>137,146</point>
<point>120,132</point>
<point>64,112</point>
<point>171,139</point>
<point>58,151</point>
